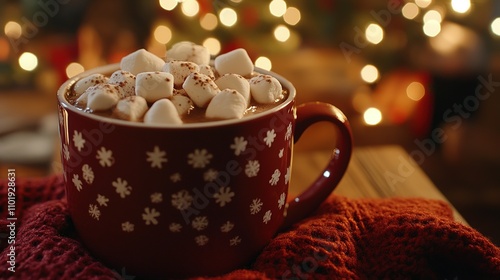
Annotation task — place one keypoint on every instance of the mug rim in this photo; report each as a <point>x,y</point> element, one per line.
<point>109,68</point>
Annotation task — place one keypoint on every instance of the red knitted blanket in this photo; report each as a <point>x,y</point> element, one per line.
<point>344,239</point>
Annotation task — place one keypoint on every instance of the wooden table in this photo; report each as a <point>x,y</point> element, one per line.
<point>373,172</point>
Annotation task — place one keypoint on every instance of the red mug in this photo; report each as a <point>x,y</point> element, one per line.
<point>192,199</point>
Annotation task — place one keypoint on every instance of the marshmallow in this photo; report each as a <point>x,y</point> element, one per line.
<point>236,82</point>
<point>236,62</point>
<point>180,70</point>
<point>182,103</point>
<point>162,111</point>
<point>125,80</point>
<point>207,70</point>
<point>265,89</point>
<point>102,97</point>
<point>154,85</point>
<point>189,51</point>
<point>200,88</point>
<point>131,108</point>
<point>86,82</point>
<point>227,104</point>
<point>141,61</point>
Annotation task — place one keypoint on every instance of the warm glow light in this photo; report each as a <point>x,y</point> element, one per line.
<point>423,3</point>
<point>410,10</point>
<point>28,61</point>
<point>369,73</point>
<point>190,8</point>
<point>282,33</point>
<point>432,28</point>
<point>460,6</point>
<point>292,16</point>
<point>415,91</point>
<point>168,5</point>
<point>372,116</point>
<point>162,34</point>
<point>4,49</point>
<point>374,33</point>
<point>495,26</point>
<point>13,30</point>
<point>74,69</point>
<point>433,15</point>
<point>264,63</point>
<point>209,21</point>
<point>228,17</point>
<point>213,45</point>
<point>277,7</point>
<point>452,38</point>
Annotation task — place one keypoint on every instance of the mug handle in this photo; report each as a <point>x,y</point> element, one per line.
<point>321,188</point>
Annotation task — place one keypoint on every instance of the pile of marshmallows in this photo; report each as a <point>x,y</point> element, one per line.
<point>173,87</point>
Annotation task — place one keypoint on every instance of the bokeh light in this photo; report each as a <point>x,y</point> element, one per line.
<point>209,21</point>
<point>28,61</point>
<point>228,17</point>
<point>423,3</point>
<point>213,45</point>
<point>13,30</point>
<point>415,91</point>
<point>264,63</point>
<point>190,8</point>
<point>73,69</point>
<point>495,26</point>
<point>162,34</point>
<point>369,73</point>
<point>461,6</point>
<point>292,16</point>
<point>282,33</point>
<point>410,10</point>
<point>432,28</point>
<point>277,7</point>
<point>374,33</point>
<point>372,116</point>
<point>168,5</point>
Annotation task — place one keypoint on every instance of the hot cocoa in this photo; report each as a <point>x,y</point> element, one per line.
<point>183,88</point>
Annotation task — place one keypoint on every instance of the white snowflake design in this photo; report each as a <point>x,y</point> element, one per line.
<point>288,133</point>
<point>281,201</point>
<point>287,175</point>
<point>252,168</point>
<point>223,196</point>
<point>235,241</point>
<point>201,240</point>
<point>267,217</point>
<point>256,206</point>
<point>182,200</point>
<point>122,187</point>
<point>105,157</point>
<point>227,227</point>
<point>94,211</point>
<point>157,157</point>
<point>200,223</point>
<point>175,227</point>
<point>239,146</point>
<point>102,200</point>
<point>176,177</point>
<point>77,182</point>
<point>87,174</point>
<point>275,177</point>
<point>149,216</point>
<point>280,154</point>
<point>78,140</point>
<point>156,197</point>
<point>127,226</point>
<point>66,151</point>
<point>210,175</point>
<point>199,158</point>
<point>269,139</point>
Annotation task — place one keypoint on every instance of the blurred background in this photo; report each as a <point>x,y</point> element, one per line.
<point>422,74</point>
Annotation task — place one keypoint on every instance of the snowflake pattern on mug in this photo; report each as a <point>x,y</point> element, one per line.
<point>182,199</point>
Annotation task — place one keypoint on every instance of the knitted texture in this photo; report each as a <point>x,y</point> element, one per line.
<point>344,239</point>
